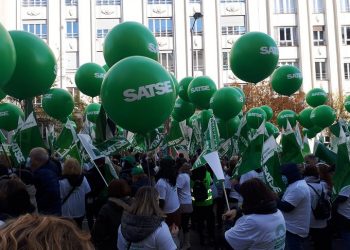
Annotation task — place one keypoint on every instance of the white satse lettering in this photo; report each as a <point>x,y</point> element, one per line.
<point>268,50</point>
<point>99,75</point>
<point>295,75</point>
<point>130,95</point>
<point>200,88</point>
<point>4,113</point>
<point>147,91</point>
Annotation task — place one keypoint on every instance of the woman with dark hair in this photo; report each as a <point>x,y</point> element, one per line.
<point>319,231</point>
<point>166,187</point>
<point>105,231</point>
<point>143,227</point>
<point>262,225</point>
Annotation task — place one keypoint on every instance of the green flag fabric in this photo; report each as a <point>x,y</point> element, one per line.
<point>175,135</point>
<point>113,145</point>
<point>242,135</point>
<point>291,151</point>
<point>66,138</point>
<point>306,147</point>
<point>324,153</point>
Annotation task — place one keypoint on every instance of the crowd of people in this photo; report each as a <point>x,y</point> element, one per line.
<point>157,201</point>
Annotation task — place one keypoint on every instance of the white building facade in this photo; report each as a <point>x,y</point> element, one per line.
<point>311,34</point>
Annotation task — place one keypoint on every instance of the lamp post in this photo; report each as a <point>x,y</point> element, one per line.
<point>196,16</point>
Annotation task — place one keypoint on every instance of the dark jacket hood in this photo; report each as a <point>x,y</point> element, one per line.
<point>291,171</point>
<point>136,228</point>
<point>74,180</point>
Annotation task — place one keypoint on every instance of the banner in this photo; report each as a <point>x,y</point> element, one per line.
<point>291,151</point>
<point>113,146</point>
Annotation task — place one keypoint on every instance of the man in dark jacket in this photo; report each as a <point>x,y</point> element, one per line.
<point>45,179</point>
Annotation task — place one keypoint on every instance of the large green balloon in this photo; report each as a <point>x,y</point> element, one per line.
<point>35,69</point>
<point>200,90</point>
<point>92,110</point>
<point>347,103</point>
<point>285,115</point>
<point>138,94</point>
<point>183,87</point>
<point>272,129</point>
<point>241,92</point>
<point>9,114</point>
<point>304,118</point>
<point>269,112</point>
<point>255,117</point>
<point>176,84</point>
<point>7,55</point>
<point>227,129</point>
<point>226,103</point>
<point>254,57</point>
<point>58,103</point>
<point>286,80</point>
<point>312,132</point>
<point>182,110</point>
<point>323,116</point>
<point>129,39</point>
<point>204,117</point>
<point>105,67</point>
<point>316,97</point>
<point>88,79</point>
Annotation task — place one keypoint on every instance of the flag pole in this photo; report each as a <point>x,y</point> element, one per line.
<point>104,180</point>
<point>223,187</point>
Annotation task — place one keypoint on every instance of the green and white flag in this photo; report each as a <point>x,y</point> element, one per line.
<point>28,136</point>
<point>174,136</point>
<point>67,137</point>
<point>3,138</point>
<point>16,154</point>
<point>197,131</point>
<point>50,137</point>
<point>324,153</point>
<point>251,157</point>
<point>341,177</point>
<point>291,150</point>
<point>242,135</point>
<point>306,147</point>
<point>226,148</point>
<point>73,152</point>
<point>113,146</point>
<point>271,166</point>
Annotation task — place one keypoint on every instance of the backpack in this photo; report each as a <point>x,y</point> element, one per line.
<point>200,192</point>
<point>323,207</point>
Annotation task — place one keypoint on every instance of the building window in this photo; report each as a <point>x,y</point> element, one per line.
<point>107,2</point>
<point>284,6</point>
<point>39,29</point>
<point>347,71</point>
<point>286,36</point>
<point>75,93</point>
<point>161,27</point>
<point>198,60</point>
<point>318,6</point>
<point>160,1</point>
<point>292,62</point>
<point>321,72</point>
<point>225,59</point>
<point>195,1</point>
<point>167,60</point>
<point>232,1</point>
<point>71,60</point>
<point>34,3</point>
<point>233,30</point>
<point>318,35</point>
<point>345,5</point>
<point>198,26</point>
<point>345,35</point>
<point>72,29</point>
<point>71,2</point>
<point>102,33</point>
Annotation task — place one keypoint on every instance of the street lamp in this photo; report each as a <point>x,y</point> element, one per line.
<point>196,16</point>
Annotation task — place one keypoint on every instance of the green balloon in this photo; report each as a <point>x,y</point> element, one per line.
<point>129,39</point>
<point>183,87</point>
<point>2,94</point>
<point>253,57</point>
<point>58,103</point>
<point>7,55</point>
<point>175,83</point>
<point>316,97</point>
<point>286,80</point>
<point>182,110</point>
<point>255,117</point>
<point>190,120</point>
<point>312,132</point>
<point>227,129</point>
<point>271,129</point>
<point>35,69</point>
<point>200,90</point>
<point>269,112</point>
<point>91,111</point>
<point>88,79</point>
<point>323,116</point>
<point>304,118</point>
<point>9,114</point>
<point>226,103</point>
<point>138,94</point>
<point>204,117</point>
<point>347,103</point>
<point>105,67</point>
<point>285,115</point>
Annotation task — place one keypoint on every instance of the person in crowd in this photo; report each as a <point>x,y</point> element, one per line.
<point>73,188</point>
<point>183,183</point>
<point>257,173</point>
<point>14,199</point>
<point>148,164</point>
<point>262,225</point>
<point>203,207</point>
<point>5,166</point>
<point>128,162</point>
<point>324,171</point>
<point>319,230</point>
<point>44,233</point>
<point>166,187</point>
<point>26,177</point>
<point>46,182</point>
<point>310,159</point>
<point>295,206</point>
<point>105,231</point>
<point>139,179</point>
<point>144,227</point>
